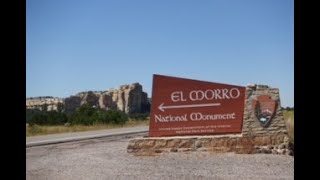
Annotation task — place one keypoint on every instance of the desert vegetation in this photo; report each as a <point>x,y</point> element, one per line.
<point>34,130</point>
<point>288,114</point>
<point>41,122</point>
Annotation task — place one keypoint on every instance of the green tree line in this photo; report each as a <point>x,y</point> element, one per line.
<point>84,115</point>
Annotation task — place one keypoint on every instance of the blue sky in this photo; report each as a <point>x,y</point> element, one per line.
<point>80,45</point>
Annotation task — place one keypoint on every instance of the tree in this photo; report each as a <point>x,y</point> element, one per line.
<point>39,118</point>
<point>44,107</point>
<point>60,107</point>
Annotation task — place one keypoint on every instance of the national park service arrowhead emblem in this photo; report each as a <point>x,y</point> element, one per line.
<point>264,109</point>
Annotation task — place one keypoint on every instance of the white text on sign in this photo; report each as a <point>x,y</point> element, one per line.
<point>209,94</point>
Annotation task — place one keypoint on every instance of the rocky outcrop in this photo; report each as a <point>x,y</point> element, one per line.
<point>128,98</point>
<point>48,102</point>
<point>145,102</point>
<point>72,103</point>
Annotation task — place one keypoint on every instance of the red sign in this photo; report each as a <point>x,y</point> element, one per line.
<point>190,107</point>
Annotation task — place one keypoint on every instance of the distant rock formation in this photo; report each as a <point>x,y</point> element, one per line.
<point>128,98</point>
<point>48,102</point>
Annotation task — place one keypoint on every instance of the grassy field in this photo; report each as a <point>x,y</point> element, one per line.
<point>44,130</point>
<point>289,118</point>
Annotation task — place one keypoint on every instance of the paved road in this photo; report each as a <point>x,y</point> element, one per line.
<point>66,137</point>
<point>107,158</point>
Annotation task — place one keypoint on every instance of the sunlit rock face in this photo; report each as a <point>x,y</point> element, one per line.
<point>128,98</point>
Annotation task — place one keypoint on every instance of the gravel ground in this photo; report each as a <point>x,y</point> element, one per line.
<point>107,158</point>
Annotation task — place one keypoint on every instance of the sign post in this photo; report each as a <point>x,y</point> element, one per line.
<point>190,107</point>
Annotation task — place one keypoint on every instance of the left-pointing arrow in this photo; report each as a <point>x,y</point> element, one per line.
<point>162,107</point>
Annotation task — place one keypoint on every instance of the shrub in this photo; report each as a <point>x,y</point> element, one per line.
<point>116,117</point>
<point>30,113</point>
<point>87,115</point>
<point>83,115</point>
<point>34,129</point>
<point>39,118</point>
<point>56,118</point>
<point>46,118</point>
<point>139,116</point>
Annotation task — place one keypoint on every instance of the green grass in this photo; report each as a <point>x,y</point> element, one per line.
<point>36,130</point>
<point>289,119</point>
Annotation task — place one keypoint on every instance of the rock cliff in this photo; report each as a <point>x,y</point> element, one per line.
<point>51,103</point>
<point>128,98</point>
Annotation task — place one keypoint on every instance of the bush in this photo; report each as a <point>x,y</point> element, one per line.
<point>139,116</point>
<point>87,115</point>
<point>56,118</point>
<point>30,113</point>
<point>34,129</point>
<point>46,118</point>
<point>116,117</point>
<point>39,118</point>
<point>83,115</point>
